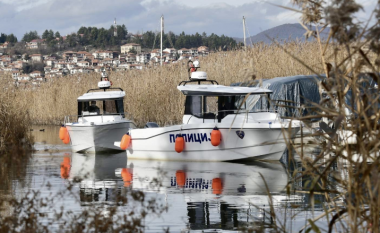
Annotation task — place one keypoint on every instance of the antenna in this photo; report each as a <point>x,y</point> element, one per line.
<point>115,28</point>
<point>162,29</point>
<point>245,44</point>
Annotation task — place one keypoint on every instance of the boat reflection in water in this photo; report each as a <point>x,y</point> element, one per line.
<point>200,195</point>
<point>96,173</point>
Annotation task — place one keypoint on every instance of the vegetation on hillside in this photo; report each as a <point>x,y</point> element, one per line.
<point>100,38</point>
<point>7,38</point>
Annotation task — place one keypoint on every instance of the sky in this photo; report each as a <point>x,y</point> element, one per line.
<point>191,16</point>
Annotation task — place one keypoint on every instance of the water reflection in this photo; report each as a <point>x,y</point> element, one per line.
<point>212,195</point>
<point>96,177</point>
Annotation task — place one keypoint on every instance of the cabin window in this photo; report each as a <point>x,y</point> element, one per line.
<point>210,107</point>
<point>193,106</point>
<point>101,107</point>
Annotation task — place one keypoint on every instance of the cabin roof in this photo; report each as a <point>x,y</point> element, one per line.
<point>102,95</point>
<point>220,90</point>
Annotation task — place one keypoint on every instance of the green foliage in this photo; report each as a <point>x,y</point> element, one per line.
<point>8,38</point>
<point>132,50</point>
<point>28,68</point>
<point>29,36</point>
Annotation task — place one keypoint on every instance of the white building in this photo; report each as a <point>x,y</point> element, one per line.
<point>131,46</point>
<point>143,58</point>
<point>35,74</point>
<point>83,64</point>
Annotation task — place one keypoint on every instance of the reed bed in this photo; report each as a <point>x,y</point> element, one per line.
<point>151,94</point>
<point>15,139</point>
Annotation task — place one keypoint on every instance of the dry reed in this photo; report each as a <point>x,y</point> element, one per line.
<point>151,94</point>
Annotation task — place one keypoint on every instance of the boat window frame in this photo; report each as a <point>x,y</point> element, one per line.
<point>119,104</point>
<point>232,108</point>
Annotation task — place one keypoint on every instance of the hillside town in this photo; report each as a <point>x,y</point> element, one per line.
<point>130,57</point>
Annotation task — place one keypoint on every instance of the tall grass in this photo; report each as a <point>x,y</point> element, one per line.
<point>15,138</point>
<point>151,94</point>
<point>356,50</point>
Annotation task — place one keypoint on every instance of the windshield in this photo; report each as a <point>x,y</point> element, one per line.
<point>101,107</point>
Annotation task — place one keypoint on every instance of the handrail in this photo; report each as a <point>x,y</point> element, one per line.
<point>67,118</point>
<point>105,89</point>
<point>197,81</point>
<point>235,112</point>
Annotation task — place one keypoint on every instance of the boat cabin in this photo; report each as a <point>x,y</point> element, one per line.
<point>215,102</point>
<point>102,102</point>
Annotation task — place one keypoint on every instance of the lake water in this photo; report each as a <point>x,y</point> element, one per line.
<point>199,196</point>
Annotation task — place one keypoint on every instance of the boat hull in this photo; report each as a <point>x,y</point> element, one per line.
<point>159,143</point>
<point>97,138</point>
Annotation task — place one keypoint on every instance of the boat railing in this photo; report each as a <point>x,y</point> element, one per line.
<point>213,115</point>
<point>68,118</point>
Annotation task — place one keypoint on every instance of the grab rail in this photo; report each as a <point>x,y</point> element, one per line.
<point>235,112</point>
<point>67,119</point>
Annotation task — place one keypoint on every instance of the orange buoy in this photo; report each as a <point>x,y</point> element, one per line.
<point>217,187</point>
<point>127,176</point>
<point>216,137</point>
<point>181,178</point>
<point>66,139</point>
<point>179,144</point>
<point>65,168</point>
<point>62,132</point>
<point>125,141</point>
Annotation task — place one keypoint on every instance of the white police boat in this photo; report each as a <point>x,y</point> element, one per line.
<point>218,111</point>
<point>100,121</point>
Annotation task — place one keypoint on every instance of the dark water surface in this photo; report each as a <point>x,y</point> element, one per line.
<point>208,196</point>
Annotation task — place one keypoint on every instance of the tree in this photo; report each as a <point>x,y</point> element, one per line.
<point>45,34</point>
<point>57,34</point>
<point>12,38</point>
<point>132,50</point>
<point>29,36</point>
<point>3,38</point>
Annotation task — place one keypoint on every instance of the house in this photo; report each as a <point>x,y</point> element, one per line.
<point>130,46</point>
<point>5,45</point>
<point>49,62</point>
<point>98,69</point>
<point>102,54</point>
<point>184,56</point>
<point>24,77</point>
<point>6,58</point>
<point>170,50</point>
<point>143,58</point>
<point>84,55</point>
<point>204,50</point>
<point>135,66</point>
<point>130,58</point>
<point>155,53</point>
<point>35,74</point>
<point>47,69</point>
<point>95,62</point>
<point>70,66</point>
<point>157,59</point>
<point>69,54</point>
<point>15,74</point>
<point>60,65</point>
<point>39,79</point>
<point>183,51</point>
<point>83,64</point>
<point>36,44</point>
<point>36,57</point>
<point>107,61</point>
<point>194,51</point>
<point>19,64</point>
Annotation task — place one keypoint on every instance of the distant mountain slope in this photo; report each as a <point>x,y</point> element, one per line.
<point>280,33</point>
